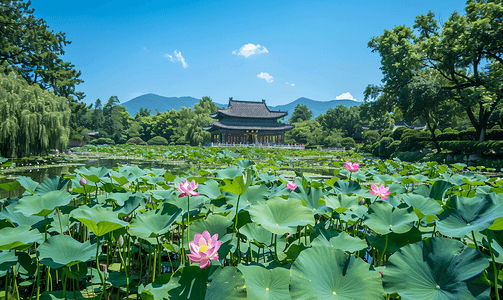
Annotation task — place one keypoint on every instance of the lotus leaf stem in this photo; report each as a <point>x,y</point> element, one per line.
<point>188,218</point>
<point>475,240</point>
<point>125,270</point>
<point>236,221</point>
<point>276,246</point>
<point>496,270</point>
<point>155,258</point>
<point>98,265</point>
<point>381,260</point>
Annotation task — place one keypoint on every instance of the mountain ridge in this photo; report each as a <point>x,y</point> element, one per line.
<point>162,104</point>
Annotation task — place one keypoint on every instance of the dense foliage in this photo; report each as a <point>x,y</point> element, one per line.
<point>32,121</point>
<point>384,230</point>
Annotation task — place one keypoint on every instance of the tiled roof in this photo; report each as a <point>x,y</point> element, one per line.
<point>279,127</point>
<point>250,109</point>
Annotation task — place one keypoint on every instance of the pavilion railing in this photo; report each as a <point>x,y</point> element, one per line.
<point>258,145</point>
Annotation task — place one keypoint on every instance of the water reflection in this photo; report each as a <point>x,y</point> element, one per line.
<point>39,174</point>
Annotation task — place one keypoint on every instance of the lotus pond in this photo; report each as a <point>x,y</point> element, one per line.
<point>242,223</point>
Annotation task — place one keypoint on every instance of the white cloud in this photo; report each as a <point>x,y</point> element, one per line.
<point>145,48</point>
<point>178,57</point>
<point>290,84</point>
<point>250,49</point>
<point>265,76</point>
<point>345,96</point>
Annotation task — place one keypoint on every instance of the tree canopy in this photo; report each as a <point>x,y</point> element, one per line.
<point>300,113</point>
<point>465,54</point>
<point>33,51</point>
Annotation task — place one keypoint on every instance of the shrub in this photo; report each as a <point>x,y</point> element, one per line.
<point>397,134</point>
<point>158,140</point>
<point>102,141</point>
<point>408,156</point>
<point>393,147</point>
<point>136,141</point>
<point>414,140</point>
<point>348,142</point>
<point>386,133</point>
<point>469,147</point>
<point>494,134</point>
<point>384,143</point>
<point>370,137</point>
<point>467,134</point>
<point>374,149</point>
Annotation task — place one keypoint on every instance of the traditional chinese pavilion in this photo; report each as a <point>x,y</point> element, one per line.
<point>248,122</point>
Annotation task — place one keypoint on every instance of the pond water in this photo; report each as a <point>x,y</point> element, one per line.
<point>39,174</point>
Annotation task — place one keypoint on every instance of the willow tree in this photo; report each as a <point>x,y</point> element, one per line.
<point>32,120</point>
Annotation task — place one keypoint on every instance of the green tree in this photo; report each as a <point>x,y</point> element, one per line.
<point>300,113</point>
<point>467,52</point>
<point>32,121</point>
<point>342,118</point>
<point>33,51</point>
<point>303,131</point>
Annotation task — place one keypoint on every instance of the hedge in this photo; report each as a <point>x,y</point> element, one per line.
<point>469,147</point>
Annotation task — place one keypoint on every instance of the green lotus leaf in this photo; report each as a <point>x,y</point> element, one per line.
<point>42,205</point>
<point>215,224</point>
<point>28,183</point>
<point>256,233</point>
<point>7,260</point>
<point>155,180</point>
<point>191,283</point>
<point>226,283</point>
<point>395,240</point>
<point>58,295</point>
<point>347,187</point>
<point>98,219</point>
<point>497,224</point>
<point>438,189</point>
<point>54,183</point>
<point>437,269</point>
<point>152,223</point>
<point>62,250</point>
<point>93,174</point>
<point>256,194</point>
<point>427,206</point>
<point>310,197</point>
<point>18,218</point>
<point>281,216</point>
<point>236,185</point>
<point>267,177</point>
<point>384,218</point>
<point>463,215</point>
<point>229,172</point>
<point>139,173</point>
<point>61,222</point>
<point>196,202</point>
<point>9,186</point>
<point>262,283</point>
<point>341,202</point>
<point>161,194</point>
<point>20,237</point>
<point>118,279</point>
<point>244,163</point>
<point>133,203</point>
<point>321,273</point>
<point>342,241</point>
<point>210,189</point>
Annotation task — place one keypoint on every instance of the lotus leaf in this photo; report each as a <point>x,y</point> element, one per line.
<point>226,283</point>
<point>93,174</point>
<point>62,250</point>
<point>152,223</point>
<point>310,197</point>
<point>427,206</point>
<point>342,241</point>
<point>437,269</point>
<point>28,183</point>
<point>18,218</point>
<point>42,205</point>
<point>463,215</point>
<point>20,237</point>
<point>256,233</point>
<point>327,273</point>
<point>229,172</point>
<point>9,186</point>
<point>341,202</point>
<point>262,283</point>
<point>98,219</point>
<point>191,283</point>
<point>54,183</point>
<point>210,189</point>
<point>346,187</point>
<point>384,218</point>
<point>281,216</point>
<point>215,224</point>
<point>256,194</point>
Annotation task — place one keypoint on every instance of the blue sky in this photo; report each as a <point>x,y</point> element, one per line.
<point>249,50</point>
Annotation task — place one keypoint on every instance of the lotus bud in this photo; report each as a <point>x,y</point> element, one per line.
<point>83,181</point>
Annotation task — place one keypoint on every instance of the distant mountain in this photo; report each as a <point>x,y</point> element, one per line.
<point>162,104</point>
<point>317,107</point>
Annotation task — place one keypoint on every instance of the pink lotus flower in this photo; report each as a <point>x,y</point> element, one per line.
<point>291,185</point>
<point>204,248</point>
<point>187,188</point>
<point>352,167</point>
<point>83,181</point>
<point>380,191</point>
